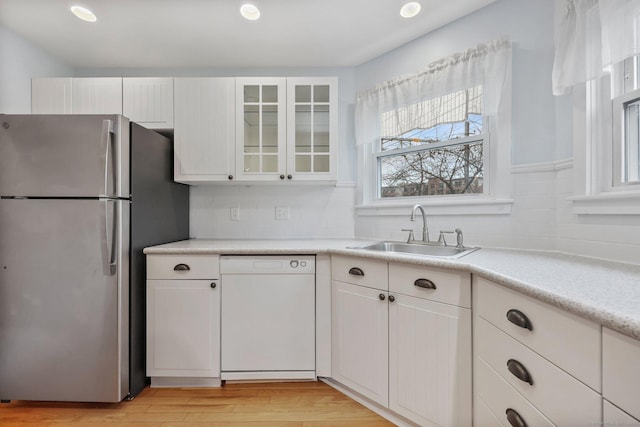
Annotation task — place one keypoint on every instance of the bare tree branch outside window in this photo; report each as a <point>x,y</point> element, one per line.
<point>420,170</point>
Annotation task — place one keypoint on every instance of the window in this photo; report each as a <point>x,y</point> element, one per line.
<point>597,42</point>
<point>626,123</point>
<point>436,149</point>
<point>424,137</point>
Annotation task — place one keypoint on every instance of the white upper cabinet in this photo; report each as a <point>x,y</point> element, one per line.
<point>204,135</point>
<point>249,129</point>
<point>261,128</point>
<point>51,96</point>
<point>286,128</point>
<point>312,124</point>
<point>96,95</point>
<point>148,101</point>
<point>76,95</point>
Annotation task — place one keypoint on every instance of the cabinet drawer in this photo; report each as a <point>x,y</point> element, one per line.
<point>493,392</point>
<point>614,416</point>
<point>183,266</point>
<point>555,334</point>
<point>360,271</point>
<point>621,371</point>
<point>450,287</point>
<point>549,386</point>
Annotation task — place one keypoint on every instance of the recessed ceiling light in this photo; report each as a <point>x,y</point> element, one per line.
<point>410,9</point>
<point>83,13</point>
<point>250,11</point>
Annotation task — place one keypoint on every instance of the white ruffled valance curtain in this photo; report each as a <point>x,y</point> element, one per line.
<point>411,99</point>
<point>590,36</point>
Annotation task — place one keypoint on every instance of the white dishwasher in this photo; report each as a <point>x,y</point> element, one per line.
<point>268,317</point>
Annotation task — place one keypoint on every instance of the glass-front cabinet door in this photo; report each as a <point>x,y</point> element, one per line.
<point>260,128</point>
<point>312,128</point>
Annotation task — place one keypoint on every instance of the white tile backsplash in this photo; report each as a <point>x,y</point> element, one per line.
<point>315,211</point>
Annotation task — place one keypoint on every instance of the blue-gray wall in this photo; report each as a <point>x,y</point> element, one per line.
<point>540,121</point>
<point>21,60</point>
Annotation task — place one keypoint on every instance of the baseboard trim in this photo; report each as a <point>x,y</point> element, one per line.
<point>164,382</point>
<point>375,407</point>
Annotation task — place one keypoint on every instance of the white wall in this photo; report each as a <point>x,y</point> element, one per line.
<point>20,60</point>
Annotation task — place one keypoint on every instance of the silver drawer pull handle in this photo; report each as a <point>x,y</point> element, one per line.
<point>425,284</point>
<point>518,318</point>
<point>519,371</point>
<point>515,419</point>
<point>181,267</point>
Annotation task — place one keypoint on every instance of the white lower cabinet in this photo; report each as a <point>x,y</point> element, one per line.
<point>360,340</point>
<point>497,403</point>
<point>429,361</point>
<point>183,324</point>
<point>409,354</point>
<point>614,416</point>
<point>621,371</point>
<point>183,319</point>
<point>539,381</point>
<point>518,377</point>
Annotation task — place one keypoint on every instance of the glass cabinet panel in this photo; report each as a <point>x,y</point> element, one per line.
<point>260,144</point>
<point>252,93</point>
<point>312,124</point>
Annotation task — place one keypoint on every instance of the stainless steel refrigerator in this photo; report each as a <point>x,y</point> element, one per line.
<point>81,196</point>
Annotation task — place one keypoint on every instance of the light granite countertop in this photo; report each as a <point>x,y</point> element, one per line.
<point>603,291</point>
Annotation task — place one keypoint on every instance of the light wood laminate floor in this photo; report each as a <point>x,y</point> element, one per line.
<point>296,404</point>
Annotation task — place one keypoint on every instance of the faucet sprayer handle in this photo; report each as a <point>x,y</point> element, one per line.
<point>410,238</point>
<point>441,239</point>
<point>459,239</point>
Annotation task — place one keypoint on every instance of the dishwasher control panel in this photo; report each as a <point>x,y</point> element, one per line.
<point>268,264</point>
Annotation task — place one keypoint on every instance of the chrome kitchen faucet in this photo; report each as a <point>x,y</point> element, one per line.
<point>425,230</point>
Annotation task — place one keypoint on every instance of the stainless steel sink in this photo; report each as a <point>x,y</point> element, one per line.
<point>418,249</point>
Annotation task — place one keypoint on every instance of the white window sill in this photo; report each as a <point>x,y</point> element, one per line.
<point>615,203</point>
<point>439,207</point>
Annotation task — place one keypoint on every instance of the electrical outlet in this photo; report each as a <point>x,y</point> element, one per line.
<point>235,214</point>
<point>282,212</point>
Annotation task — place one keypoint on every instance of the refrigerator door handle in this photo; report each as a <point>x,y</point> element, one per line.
<point>110,221</point>
<point>107,131</point>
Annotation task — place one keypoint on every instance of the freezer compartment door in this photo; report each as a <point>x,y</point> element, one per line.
<point>64,156</point>
<point>63,300</point>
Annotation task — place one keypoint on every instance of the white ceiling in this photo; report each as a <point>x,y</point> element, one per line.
<point>211,33</point>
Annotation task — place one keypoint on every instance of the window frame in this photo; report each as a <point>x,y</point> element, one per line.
<point>496,199</point>
<point>598,142</point>
<point>378,154</point>
<point>620,159</point>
